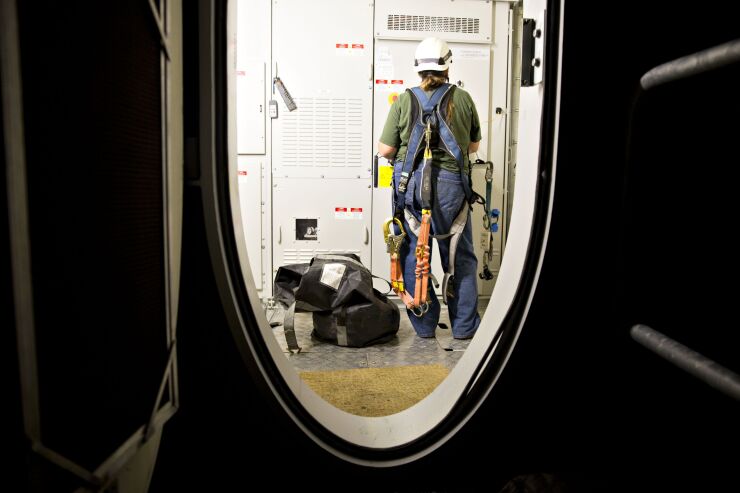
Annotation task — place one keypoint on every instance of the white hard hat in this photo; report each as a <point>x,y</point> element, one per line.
<point>432,54</point>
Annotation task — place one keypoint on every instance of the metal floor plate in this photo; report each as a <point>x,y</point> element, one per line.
<point>405,349</point>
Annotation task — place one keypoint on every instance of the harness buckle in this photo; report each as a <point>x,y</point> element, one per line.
<point>450,288</point>
<point>403,182</point>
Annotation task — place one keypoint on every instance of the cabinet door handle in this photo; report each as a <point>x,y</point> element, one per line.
<point>375,171</point>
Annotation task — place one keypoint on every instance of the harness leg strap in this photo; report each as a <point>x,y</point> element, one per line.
<point>458,226</point>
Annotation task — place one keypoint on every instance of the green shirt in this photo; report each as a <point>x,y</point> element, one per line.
<point>464,124</point>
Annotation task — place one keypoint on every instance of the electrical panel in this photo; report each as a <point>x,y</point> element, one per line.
<point>322,147</point>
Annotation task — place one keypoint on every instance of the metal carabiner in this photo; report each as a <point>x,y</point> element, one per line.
<point>422,309</point>
<point>387,228</point>
<point>489,170</point>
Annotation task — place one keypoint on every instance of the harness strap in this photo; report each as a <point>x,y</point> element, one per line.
<point>390,287</point>
<point>289,327</point>
<point>488,224</point>
<point>421,296</point>
<point>458,226</point>
<point>453,148</point>
<point>456,230</point>
<point>397,281</point>
<point>423,254</point>
<point>449,143</point>
<point>420,105</point>
<point>487,209</point>
<point>340,326</point>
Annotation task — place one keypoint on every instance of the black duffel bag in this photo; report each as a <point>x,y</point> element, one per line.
<point>338,289</point>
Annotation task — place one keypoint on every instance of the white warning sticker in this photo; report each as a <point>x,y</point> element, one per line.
<point>350,49</point>
<point>471,53</point>
<point>384,85</point>
<point>383,55</point>
<point>384,68</point>
<point>331,275</point>
<point>357,49</point>
<point>343,213</point>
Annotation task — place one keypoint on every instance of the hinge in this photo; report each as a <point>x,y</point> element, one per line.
<point>533,39</point>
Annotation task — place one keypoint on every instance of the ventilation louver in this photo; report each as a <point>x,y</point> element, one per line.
<point>323,132</point>
<point>465,25</point>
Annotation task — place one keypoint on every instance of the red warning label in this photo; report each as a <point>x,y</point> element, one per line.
<point>355,213</point>
<point>342,45</point>
<point>358,46</point>
<point>242,173</point>
<point>397,81</point>
<point>381,81</point>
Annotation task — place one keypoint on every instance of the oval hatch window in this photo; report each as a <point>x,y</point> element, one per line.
<point>436,116</point>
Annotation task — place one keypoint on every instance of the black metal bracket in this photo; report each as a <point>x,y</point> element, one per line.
<point>528,31</point>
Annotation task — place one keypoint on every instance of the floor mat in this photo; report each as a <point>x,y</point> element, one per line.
<point>375,391</point>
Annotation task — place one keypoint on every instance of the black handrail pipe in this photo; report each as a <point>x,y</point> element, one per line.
<point>702,61</point>
<point>703,368</point>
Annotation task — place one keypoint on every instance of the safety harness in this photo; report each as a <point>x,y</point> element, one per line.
<point>430,131</point>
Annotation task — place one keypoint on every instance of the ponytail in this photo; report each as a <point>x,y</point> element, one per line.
<point>431,79</point>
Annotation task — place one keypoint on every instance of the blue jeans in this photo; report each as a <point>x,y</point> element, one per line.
<point>448,197</point>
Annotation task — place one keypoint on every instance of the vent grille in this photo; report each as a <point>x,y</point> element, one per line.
<point>465,25</point>
<point>323,132</point>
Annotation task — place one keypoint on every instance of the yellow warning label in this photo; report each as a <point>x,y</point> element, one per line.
<point>385,175</point>
<point>392,97</point>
